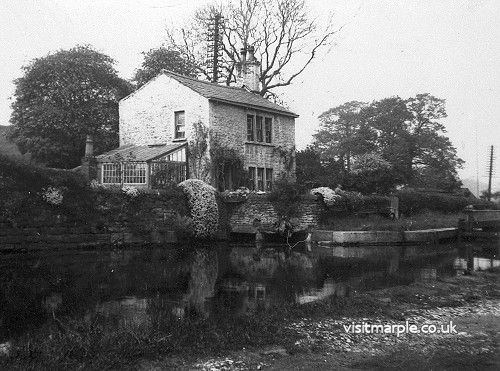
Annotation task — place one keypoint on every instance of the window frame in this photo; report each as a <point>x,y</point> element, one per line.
<point>251,128</point>
<point>137,166</point>
<point>177,126</point>
<point>261,183</point>
<point>268,134</point>
<point>121,172</point>
<point>252,177</point>
<point>260,128</point>
<point>116,172</point>
<point>268,179</point>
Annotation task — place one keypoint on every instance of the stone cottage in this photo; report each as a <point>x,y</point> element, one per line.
<point>171,127</point>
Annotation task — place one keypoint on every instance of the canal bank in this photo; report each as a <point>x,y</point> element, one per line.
<point>328,237</point>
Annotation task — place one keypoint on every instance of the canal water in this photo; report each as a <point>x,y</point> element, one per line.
<point>135,287</point>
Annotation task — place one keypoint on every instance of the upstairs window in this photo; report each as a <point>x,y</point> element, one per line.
<point>250,128</point>
<point>260,131</point>
<point>268,129</point>
<point>179,125</point>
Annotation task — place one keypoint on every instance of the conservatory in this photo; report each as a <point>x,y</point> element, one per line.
<point>152,166</point>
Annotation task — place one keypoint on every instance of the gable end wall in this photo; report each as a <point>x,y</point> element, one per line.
<point>147,116</point>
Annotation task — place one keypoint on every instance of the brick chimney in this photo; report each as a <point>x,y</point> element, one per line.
<point>249,69</point>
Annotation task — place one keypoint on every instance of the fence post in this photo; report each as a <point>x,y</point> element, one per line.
<point>395,206</point>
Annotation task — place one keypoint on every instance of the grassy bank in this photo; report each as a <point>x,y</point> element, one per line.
<point>374,222</point>
<point>303,335</point>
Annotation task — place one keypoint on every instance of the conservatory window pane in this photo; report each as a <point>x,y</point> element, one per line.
<point>111,173</point>
<point>134,172</point>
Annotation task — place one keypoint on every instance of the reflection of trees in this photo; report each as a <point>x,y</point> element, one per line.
<point>201,285</point>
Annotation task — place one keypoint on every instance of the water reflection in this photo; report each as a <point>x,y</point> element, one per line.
<point>141,288</point>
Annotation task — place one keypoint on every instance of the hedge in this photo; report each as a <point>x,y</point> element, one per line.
<point>411,202</point>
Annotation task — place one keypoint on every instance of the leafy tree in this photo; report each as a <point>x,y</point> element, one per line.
<point>285,38</point>
<point>389,118</point>
<point>371,173</point>
<point>407,134</point>
<point>61,99</point>
<point>343,133</point>
<point>163,58</point>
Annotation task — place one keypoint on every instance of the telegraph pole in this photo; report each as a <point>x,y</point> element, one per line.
<point>490,173</point>
<point>214,50</point>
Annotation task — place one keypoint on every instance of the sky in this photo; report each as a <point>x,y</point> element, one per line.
<point>448,48</point>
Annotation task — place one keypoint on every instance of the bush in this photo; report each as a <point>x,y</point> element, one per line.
<point>285,198</point>
<point>203,207</point>
<point>411,202</point>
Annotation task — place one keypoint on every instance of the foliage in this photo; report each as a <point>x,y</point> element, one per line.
<point>287,156</point>
<point>285,198</point>
<point>239,195</point>
<point>387,143</point>
<point>226,160</point>
<point>411,202</point>
<point>203,207</point>
<point>371,173</point>
<point>343,134</point>
<point>161,58</point>
<point>310,171</point>
<point>130,191</point>
<point>36,196</point>
<point>198,154</point>
<point>281,31</point>
<point>377,222</point>
<point>52,195</point>
<point>329,196</point>
<point>63,97</point>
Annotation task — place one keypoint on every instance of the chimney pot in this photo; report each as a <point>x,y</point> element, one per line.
<point>251,53</point>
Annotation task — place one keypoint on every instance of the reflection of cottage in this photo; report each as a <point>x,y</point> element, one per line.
<point>158,126</point>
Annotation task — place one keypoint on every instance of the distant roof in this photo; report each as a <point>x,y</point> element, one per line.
<point>138,153</point>
<point>229,94</point>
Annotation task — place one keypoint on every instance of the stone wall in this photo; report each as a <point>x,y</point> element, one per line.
<point>257,206</point>
<point>66,237</point>
<point>147,115</point>
<point>229,125</point>
<point>120,221</point>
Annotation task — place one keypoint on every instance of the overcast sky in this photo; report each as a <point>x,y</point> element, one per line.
<point>450,49</point>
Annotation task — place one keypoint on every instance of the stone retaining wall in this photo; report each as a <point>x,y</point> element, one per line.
<point>257,207</point>
<point>60,237</point>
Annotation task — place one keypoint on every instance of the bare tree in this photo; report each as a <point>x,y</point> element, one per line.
<point>284,36</point>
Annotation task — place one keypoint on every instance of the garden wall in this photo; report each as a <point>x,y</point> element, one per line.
<point>242,216</point>
<point>149,220</point>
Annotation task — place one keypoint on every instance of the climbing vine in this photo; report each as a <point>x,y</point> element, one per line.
<point>287,155</point>
<point>197,152</point>
<point>226,159</point>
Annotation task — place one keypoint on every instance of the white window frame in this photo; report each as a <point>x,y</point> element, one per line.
<point>121,170</point>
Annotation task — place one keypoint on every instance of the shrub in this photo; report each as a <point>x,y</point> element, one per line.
<point>52,195</point>
<point>203,207</point>
<point>285,198</point>
<point>411,202</point>
<point>330,198</point>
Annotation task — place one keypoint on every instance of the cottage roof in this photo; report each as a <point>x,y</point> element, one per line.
<point>131,152</point>
<point>228,94</point>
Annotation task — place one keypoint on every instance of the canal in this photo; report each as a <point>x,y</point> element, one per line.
<point>139,287</point>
